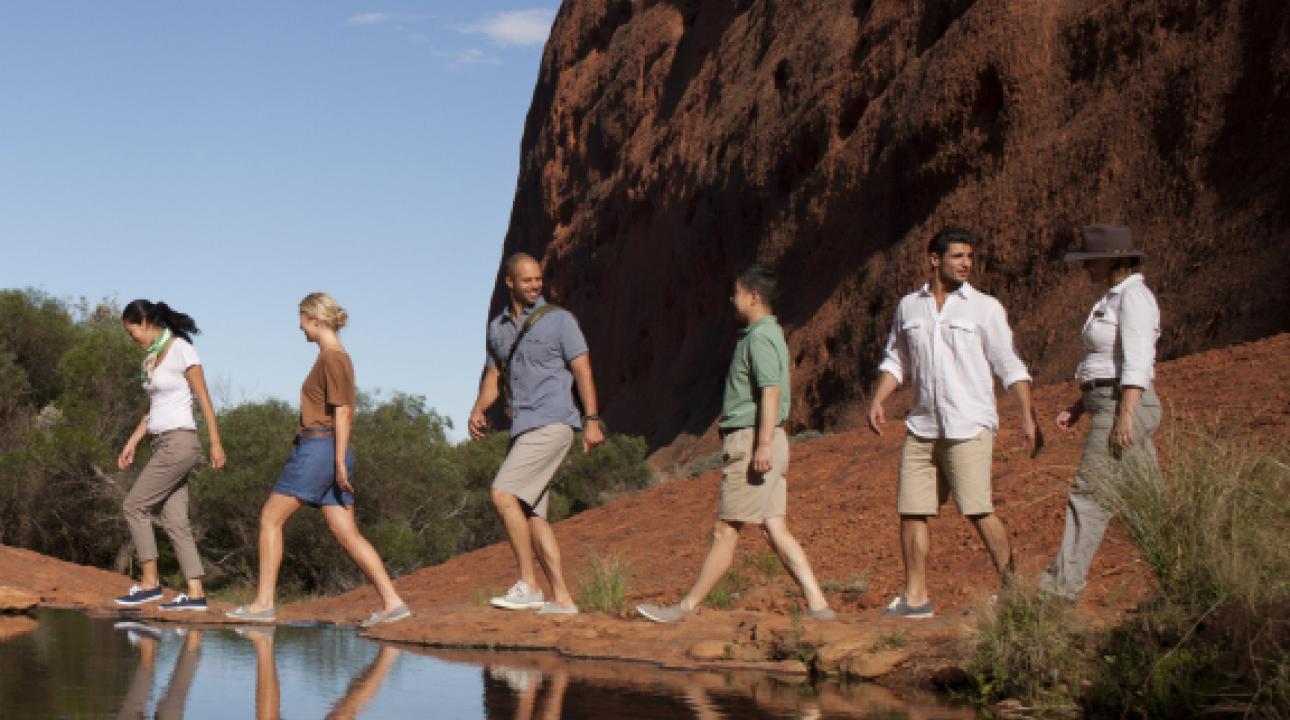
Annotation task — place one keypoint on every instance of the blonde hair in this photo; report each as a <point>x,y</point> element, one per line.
<point>325,309</point>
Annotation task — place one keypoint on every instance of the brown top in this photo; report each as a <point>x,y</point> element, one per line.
<point>329,383</point>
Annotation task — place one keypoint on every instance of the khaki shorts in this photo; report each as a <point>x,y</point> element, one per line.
<point>530,464</point>
<point>746,495</point>
<point>929,469</point>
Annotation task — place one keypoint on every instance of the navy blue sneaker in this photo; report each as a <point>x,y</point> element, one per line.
<point>183,602</point>
<point>139,596</point>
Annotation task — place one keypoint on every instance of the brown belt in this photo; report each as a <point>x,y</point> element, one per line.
<point>315,435</point>
<point>1099,383</point>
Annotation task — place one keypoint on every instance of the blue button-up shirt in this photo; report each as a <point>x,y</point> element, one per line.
<point>541,381</point>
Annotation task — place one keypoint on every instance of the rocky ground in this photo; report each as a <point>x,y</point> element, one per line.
<point>842,491</point>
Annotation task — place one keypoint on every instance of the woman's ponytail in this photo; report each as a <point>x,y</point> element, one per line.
<point>159,314</point>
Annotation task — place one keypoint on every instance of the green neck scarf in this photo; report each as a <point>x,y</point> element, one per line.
<point>154,351</point>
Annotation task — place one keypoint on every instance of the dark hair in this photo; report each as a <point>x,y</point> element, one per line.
<point>160,314</point>
<point>761,280</point>
<point>940,244</point>
<point>514,261</point>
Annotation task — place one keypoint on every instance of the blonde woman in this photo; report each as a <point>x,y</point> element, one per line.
<point>171,375</point>
<point>318,473</point>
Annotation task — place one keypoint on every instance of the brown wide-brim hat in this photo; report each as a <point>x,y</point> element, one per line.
<point>1104,241</point>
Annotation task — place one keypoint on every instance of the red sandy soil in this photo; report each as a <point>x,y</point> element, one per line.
<point>842,494</point>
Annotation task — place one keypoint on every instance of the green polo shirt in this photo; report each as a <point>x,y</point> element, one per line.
<point>761,360</point>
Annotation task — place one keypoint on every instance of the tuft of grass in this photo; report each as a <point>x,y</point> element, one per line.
<point>698,466</point>
<point>727,591</point>
<point>481,597</point>
<point>890,641</point>
<point>857,584</point>
<point>603,581</point>
<point>1024,649</point>
<point>764,561</point>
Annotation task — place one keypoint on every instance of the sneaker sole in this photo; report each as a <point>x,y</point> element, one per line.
<point>509,605</point>
<point>135,603</point>
<point>189,608</point>
<point>655,618</point>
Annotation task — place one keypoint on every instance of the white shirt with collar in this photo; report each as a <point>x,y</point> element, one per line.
<point>1120,336</point>
<point>948,355</point>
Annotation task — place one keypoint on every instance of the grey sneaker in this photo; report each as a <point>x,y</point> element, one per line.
<point>394,615</point>
<point>900,608</point>
<point>664,613</point>
<point>519,597</point>
<point>246,614</point>
<point>554,609</point>
<point>823,614</point>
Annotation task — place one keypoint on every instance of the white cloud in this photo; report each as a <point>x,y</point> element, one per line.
<point>469,56</point>
<point>515,27</point>
<point>383,18</point>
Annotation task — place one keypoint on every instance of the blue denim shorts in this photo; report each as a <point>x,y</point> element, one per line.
<point>310,474</point>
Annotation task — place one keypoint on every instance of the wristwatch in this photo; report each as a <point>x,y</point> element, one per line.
<point>589,418</point>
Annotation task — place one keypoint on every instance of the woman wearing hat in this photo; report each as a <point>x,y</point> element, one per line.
<point>1115,380</point>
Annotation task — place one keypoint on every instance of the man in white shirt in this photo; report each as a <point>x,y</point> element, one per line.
<point>945,340</point>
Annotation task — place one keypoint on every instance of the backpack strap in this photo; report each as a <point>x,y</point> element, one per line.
<point>529,322</point>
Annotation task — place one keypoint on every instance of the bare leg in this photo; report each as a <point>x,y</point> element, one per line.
<point>148,578</point>
<point>517,531</point>
<point>725,537</point>
<point>995,537</point>
<point>548,552</point>
<point>364,687</point>
<point>340,519</point>
<point>273,517</point>
<point>794,559</point>
<point>268,697</point>
<point>915,541</point>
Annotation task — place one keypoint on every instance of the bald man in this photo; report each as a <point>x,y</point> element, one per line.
<point>536,354</point>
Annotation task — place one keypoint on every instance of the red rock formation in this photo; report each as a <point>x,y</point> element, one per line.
<point>670,142</point>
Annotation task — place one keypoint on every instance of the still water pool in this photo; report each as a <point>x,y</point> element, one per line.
<point>67,664</point>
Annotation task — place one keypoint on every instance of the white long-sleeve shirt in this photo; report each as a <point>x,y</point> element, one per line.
<point>1120,336</point>
<point>947,355</point>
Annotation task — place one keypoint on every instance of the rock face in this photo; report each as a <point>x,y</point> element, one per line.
<point>671,142</point>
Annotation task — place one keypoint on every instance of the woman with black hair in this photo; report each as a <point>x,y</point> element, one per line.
<point>171,375</point>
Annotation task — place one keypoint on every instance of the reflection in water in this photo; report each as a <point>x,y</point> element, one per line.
<point>72,665</point>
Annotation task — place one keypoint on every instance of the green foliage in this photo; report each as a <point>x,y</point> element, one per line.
<point>70,396</point>
<point>603,581</point>
<point>857,584</point>
<point>729,589</point>
<point>765,562</point>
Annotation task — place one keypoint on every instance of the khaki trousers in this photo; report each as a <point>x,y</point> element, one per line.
<point>164,483</point>
<point>1086,514</point>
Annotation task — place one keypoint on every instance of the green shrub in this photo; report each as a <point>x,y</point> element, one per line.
<point>603,581</point>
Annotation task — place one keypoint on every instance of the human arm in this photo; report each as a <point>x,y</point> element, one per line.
<point>767,421</point>
<point>197,383</point>
<point>592,432</point>
<point>1020,391</point>
<point>1139,320</point>
<point>489,391</point>
<point>1122,432</point>
<point>343,418</point>
<point>126,458</point>
<point>886,385</point>
<point>1067,418</point>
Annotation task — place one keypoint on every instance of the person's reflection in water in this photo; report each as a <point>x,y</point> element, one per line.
<point>526,682</point>
<point>145,638</point>
<point>172,705</point>
<point>364,687</point>
<point>267,693</point>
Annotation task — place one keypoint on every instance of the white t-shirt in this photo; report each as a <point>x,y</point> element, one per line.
<point>171,399</point>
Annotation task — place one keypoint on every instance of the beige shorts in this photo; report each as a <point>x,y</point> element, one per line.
<point>929,469</point>
<point>530,464</point>
<point>746,495</point>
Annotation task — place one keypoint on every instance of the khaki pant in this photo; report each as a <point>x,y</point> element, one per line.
<point>1086,514</point>
<point>930,468</point>
<point>747,495</point>
<point>164,483</point>
<point>530,464</point>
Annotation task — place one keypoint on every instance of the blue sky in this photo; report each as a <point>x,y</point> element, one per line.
<point>231,157</point>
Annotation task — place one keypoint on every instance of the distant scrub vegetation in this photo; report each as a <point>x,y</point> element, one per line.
<point>70,395</point>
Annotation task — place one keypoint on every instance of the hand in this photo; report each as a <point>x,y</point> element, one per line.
<point>1030,435</point>
<point>342,477</point>
<point>762,458</point>
<point>126,458</point>
<point>1067,418</point>
<point>876,418</point>
<point>1122,432</point>
<point>477,425</point>
<point>217,456</point>
<point>592,435</point>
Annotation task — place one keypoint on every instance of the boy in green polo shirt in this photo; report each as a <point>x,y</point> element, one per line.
<point>754,452</point>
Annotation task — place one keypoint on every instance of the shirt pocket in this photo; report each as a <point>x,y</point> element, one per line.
<point>540,350</point>
<point>911,331</point>
<point>961,332</point>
